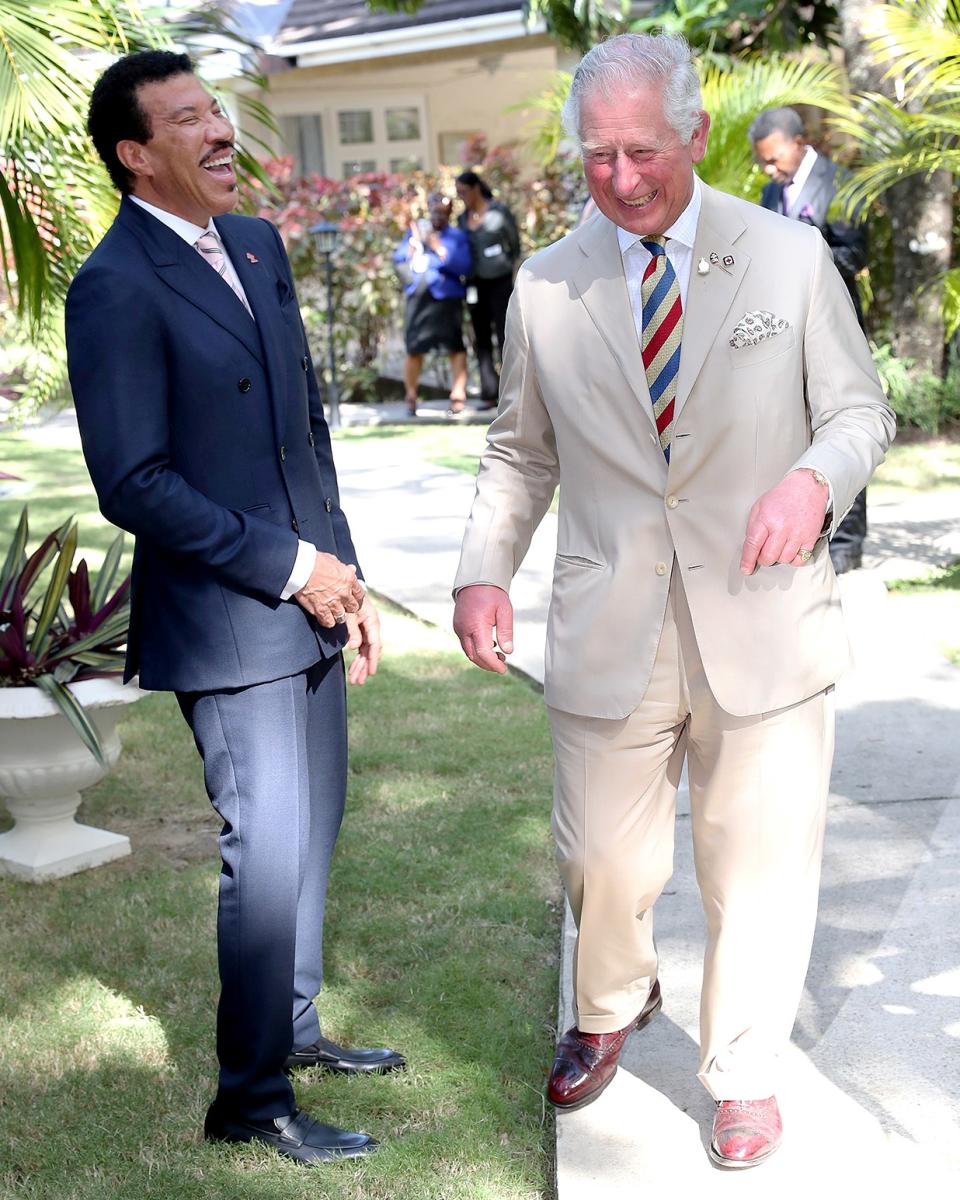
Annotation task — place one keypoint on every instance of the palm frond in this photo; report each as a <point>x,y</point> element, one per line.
<point>921,40</point>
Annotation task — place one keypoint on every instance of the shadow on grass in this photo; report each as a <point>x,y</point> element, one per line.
<point>441,939</point>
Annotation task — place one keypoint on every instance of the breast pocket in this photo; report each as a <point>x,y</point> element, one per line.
<point>763,352</point>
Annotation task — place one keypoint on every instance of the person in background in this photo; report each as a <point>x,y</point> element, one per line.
<point>432,261</point>
<point>495,244</point>
<point>802,184</point>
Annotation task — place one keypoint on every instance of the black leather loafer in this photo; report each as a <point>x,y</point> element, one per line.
<point>346,1060</point>
<point>297,1136</point>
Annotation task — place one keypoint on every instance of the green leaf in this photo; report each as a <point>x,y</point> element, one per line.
<point>107,574</point>
<point>73,710</point>
<point>16,555</point>
<point>55,590</point>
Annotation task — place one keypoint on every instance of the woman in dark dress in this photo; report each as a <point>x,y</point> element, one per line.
<point>432,261</point>
<point>495,244</point>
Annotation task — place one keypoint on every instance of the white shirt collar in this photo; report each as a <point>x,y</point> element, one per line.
<point>683,230</point>
<point>180,226</point>
<point>802,172</point>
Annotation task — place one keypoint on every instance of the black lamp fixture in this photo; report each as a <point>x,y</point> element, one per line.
<point>326,238</point>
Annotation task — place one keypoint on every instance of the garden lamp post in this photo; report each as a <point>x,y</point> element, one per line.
<point>326,237</point>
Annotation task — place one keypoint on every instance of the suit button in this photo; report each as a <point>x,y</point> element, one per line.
<point>244,385</point>
<point>305,363</point>
<point>310,438</point>
<point>661,568</point>
<point>294,525</point>
<point>328,504</point>
<point>283,454</point>
<point>672,502</point>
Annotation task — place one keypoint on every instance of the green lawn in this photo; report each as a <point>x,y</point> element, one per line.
<point>442,939</point>
<point>927,466</point>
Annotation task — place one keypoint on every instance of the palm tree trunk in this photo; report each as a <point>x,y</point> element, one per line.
<point>921,215</point>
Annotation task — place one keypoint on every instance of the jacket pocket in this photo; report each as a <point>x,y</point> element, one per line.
<point>578,560</point>
<point>765,351</point>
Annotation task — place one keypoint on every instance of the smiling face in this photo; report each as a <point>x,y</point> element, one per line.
<point>779,155</point>
<point>186,166</point>
<point>638,172</point>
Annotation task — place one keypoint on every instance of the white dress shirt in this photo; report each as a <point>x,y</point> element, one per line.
<point>306,551</point>
<point>792,190</point>
<point>679,251</point>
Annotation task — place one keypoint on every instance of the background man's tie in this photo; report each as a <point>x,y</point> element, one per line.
<point>662,330</point>
<point>211,250</point>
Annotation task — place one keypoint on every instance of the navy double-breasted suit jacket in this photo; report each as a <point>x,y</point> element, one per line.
<point>204,435</point>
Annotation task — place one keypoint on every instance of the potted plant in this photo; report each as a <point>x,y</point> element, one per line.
<point>61,695</point>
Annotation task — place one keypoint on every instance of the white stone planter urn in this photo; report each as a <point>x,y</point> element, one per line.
<point>44,766</point>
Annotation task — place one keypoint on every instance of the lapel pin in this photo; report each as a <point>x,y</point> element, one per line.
<point>252,257</point>
<point>703,267</point>
<point>725,265</point>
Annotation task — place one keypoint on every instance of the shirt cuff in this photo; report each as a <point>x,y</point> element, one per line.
<point>829,488</point>
<point>302,569</point>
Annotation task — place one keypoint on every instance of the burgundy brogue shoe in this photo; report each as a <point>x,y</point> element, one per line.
<point>586,1062</point>
<point>745,1132</point>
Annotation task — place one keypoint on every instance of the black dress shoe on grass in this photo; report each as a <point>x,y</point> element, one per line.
<point>297,1136</point>
<point>345,1060</point>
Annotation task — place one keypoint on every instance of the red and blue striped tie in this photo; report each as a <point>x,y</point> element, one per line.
<point>662,331</point>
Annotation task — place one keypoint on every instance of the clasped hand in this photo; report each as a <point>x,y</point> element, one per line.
<point>332,590</point>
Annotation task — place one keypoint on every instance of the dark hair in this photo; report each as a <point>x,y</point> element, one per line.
<point>472,179</point>
<point>115,113</point>
<point>775,120</point>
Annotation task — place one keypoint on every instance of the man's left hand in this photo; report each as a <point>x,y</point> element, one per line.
<point>363,628</point>
<point>784,521</point>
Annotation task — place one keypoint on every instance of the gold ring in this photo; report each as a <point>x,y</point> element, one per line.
<point>804,555</point>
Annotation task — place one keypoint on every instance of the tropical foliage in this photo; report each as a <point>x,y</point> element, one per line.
<point>47,645</point>
<point>917,132</point>
<point>56,199</point>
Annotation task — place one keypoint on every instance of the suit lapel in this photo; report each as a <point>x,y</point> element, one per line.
<point>259,282</point>
<point>602,286</point>
<point>182,268</point>
<point>816,191</point>
<point>709,296</point>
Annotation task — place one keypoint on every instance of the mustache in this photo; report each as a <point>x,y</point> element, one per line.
<point>218,150</point>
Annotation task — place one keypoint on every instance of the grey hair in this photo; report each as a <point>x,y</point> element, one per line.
<point>772,120</point>
<point>621,64</point>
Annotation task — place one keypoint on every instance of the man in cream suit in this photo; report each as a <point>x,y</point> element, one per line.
<point>689,369</point>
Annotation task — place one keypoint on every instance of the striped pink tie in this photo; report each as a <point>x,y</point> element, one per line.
<point>211,250</point>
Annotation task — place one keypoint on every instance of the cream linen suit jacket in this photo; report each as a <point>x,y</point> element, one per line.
<point>575,410</point>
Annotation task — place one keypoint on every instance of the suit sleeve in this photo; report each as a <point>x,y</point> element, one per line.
<point>322,447</point>
<point>519,470</point>
<point>117,362</point>
<point>851,422</point>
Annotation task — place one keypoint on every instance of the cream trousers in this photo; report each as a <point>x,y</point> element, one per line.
<point>758,790</point>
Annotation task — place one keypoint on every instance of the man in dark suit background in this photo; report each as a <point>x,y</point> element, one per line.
<point>802,185</point>
<point>204,435</point>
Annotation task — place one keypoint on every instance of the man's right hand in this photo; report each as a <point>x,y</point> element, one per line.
<point>480,609</point>
<point>332,590</point>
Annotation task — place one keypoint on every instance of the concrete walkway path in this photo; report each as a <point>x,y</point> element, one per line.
<point>871,1101</point>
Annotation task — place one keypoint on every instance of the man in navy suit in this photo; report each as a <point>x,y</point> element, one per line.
<point>802,184</point>
<point>204,435</point>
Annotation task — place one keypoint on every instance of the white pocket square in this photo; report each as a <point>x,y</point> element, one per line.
<point>755,327</point>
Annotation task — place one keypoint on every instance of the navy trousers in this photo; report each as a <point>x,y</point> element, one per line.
<point>275,768</point>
